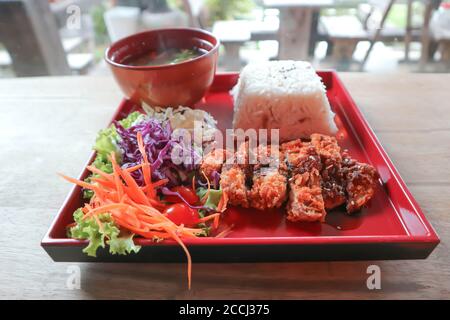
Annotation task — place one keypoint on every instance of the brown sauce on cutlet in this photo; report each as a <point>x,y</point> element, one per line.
<point>316,174</point>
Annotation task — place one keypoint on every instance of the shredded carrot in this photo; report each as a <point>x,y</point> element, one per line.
<point>105,183</point>
<point>210,217</point>
<point>98,191</point>
<point>104,209</point>
<point>205,197</point>
<point>134,168</point>
<point>216,221</point>
<point>222,205</point>
<point>159,183</point>
<point>225,232</point>
<point>146,169</point>
<point>102,174</point>
<point>116,173</point>
<point>134,190</point>
<point>188,255</point>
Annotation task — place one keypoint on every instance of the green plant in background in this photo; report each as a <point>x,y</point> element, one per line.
<point>397,16</point>
<point>228,9</point>
<point>175,4</point>
<point>101,34</point>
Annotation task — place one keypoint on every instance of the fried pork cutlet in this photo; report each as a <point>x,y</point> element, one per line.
<point>245,158</point>
<point>269,184</point>
<point>213,162</point>
<point>333,191</point>
<point>305,197</point>
<point>233,182</point>
<point>361,180</point>
<point>235,177</point>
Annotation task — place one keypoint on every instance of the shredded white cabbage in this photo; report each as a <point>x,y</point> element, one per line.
<point>199,123</point>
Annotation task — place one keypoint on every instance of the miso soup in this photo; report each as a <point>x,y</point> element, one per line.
<point>169,56</point>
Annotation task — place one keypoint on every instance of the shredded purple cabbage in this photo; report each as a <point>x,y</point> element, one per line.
<point>216,179</point>
<point>167,192</point>
<point>159,144</point>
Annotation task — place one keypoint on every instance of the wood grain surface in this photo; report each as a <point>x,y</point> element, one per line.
<point>48,125</point>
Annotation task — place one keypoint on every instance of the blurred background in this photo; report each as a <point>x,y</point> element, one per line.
<point>68,37</point>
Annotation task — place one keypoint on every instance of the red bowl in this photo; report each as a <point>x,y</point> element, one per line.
<point>177,84</point>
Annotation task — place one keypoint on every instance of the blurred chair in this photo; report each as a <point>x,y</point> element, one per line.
<point>369,24</point>
<point>428,45</point>
<point>78,43</point>
<point>122,21</point>
<point>233,34</point>
<point>29,33</point>
<point>195,11</point>
<point>440,30</point>
<point>38,41</point>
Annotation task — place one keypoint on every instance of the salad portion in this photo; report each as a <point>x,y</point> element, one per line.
<point>144,183</point>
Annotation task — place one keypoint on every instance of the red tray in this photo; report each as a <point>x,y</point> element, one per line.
<point>391,227</point>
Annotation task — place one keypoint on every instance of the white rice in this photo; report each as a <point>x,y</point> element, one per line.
<point>285,95</point>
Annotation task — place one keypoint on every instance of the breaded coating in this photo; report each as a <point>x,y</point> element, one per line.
<point>213,161</point>
<point>243,156</point>
<point>300,157</point>
<point>233,182</point>
<point>361,180</point>
<point>291,146</point>
<point>305,197</point>
<point>236,176</point>
<point>309,177</point>
<point>333,191</point>
<point>327,147</point>
<point>269,185</point>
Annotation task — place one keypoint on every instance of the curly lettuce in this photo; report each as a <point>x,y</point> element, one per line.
<point>132,119</point>
<point>100,235</point>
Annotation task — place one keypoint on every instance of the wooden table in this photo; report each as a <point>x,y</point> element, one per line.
<point>48,125</point>
<point>296,17</point>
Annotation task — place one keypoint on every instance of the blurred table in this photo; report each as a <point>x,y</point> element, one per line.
<point>296,17</point>
<point>48,125</point>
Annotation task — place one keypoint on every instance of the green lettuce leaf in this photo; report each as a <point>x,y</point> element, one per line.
<point>212,202</point>
<point>88,229</point>
<point>106,143</point>
<point>213,197</point>
<point>123,245</point>
<point>132,119</point>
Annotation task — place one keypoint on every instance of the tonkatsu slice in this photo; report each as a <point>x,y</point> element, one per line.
<point>233,183</point>
<point>305,196</point>
<point>235,177</point>
<point>269,184</point>
<point>361,180</point>
<point>333,191</point>
<point>212,162</point>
